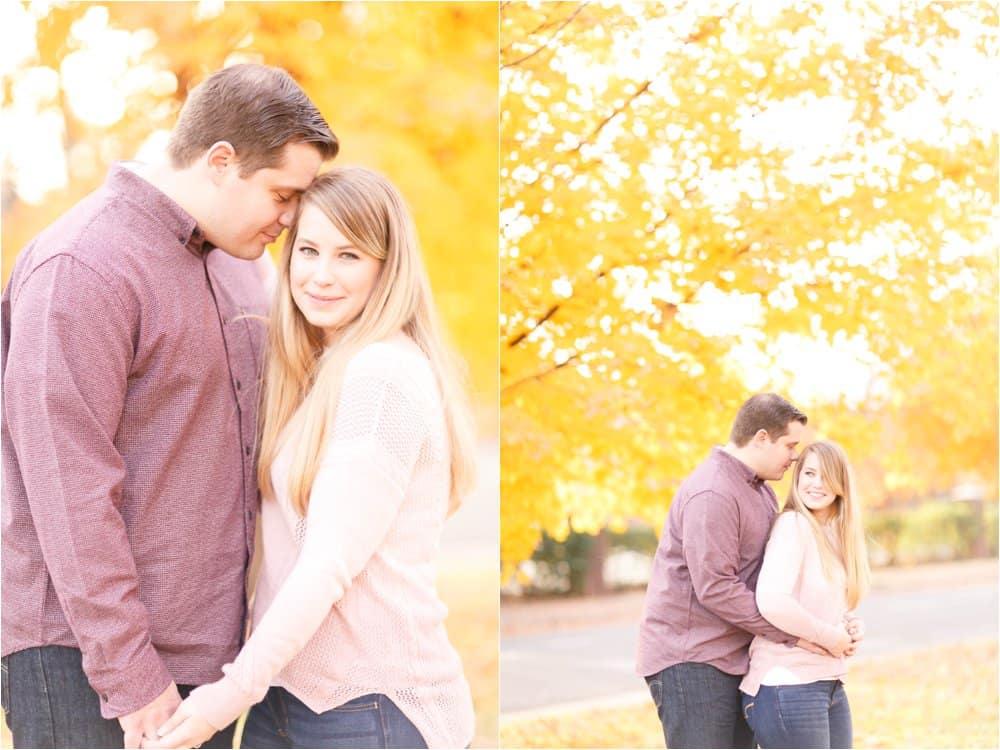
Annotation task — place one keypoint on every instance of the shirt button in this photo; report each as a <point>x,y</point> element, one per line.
<point>239,386</point>
<point>248,450</point>
<point>250,514</point>
<point>104,697</point>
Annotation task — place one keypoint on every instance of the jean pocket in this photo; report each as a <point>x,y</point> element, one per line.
<point>361,703</point>
<point>656,690</point>
<point>747,710</point>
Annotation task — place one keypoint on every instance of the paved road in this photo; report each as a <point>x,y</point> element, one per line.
<point>540,671</point>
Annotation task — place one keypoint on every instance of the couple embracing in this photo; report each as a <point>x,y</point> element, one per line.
<point>749,618</point>
<point>155,377</point>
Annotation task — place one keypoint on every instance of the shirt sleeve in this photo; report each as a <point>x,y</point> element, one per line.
<point>354,501</point>
<point>64,389</point>
<point>710,529</point>
<point>784,559</point>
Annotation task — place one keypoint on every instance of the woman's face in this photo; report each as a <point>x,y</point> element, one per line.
<point>813,490</point>
<point>331,279</point>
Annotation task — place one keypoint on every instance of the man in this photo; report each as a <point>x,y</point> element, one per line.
<point>700,612</point>
<point>131,369</point>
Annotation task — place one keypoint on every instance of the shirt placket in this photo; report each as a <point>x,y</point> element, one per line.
<point>240,356</point>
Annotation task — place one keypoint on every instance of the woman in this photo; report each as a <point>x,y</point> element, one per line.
<point>366,447</point>
<point>815,571</point>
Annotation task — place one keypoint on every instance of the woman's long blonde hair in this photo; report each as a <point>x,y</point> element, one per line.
<point>849,552</point>
<point>300,372</point>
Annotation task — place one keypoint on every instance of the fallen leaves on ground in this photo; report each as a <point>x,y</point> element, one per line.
<point>940,697</point>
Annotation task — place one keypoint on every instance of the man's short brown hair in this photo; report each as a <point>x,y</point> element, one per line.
<point>764,411</point>
<point>258,110</point>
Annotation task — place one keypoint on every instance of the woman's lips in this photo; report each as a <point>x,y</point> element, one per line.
<point>323,300</point>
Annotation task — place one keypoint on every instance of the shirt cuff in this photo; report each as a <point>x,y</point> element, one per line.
<point>128,690</point>
<point>220,703</point>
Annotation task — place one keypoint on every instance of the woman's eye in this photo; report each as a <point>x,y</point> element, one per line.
<point>348,255</point>
<point>306,250</point>
<point>282,198</point>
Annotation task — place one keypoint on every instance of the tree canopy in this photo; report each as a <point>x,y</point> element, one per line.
<point>704,200</point>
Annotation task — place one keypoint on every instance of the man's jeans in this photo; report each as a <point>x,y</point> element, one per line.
<point>47,702</point>
<point>699,706</point>
<point>283,721</point>
<point>813,715</point>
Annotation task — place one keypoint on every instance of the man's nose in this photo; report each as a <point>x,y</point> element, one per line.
<point>288,214</point>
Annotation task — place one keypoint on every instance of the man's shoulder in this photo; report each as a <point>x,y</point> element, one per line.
<point>84,233</point>
<point>709,479</point>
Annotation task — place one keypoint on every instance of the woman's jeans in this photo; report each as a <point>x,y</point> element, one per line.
<point>816,714</point>
<point>283,721</point>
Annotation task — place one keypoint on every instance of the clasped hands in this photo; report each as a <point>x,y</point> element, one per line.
<point>166,722</point>
<point>853,634</point>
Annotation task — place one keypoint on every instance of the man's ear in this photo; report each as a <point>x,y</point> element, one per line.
<point>760,437</point>
<point>220,158</point>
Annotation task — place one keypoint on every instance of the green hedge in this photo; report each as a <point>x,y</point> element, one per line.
<point>933,531</point>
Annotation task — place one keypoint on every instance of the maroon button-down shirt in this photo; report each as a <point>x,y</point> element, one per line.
<point>130,379</point>
<point>700,604</point>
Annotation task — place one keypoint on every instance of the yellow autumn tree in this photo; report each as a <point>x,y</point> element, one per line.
<point>410,89</point>
<point>691,192</point>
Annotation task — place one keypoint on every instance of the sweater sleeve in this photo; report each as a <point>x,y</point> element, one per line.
<point>377,436</point>
<point>784,559</point>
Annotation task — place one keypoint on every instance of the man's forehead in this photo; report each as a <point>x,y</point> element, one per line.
<point>794,433</point>
<point>296,169</point>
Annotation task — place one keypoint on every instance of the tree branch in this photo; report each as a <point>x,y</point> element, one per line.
<point>546,24</point>
<point>538,375</point>
<point>596,131</point>
<point>524,334</point>
<point>548,41</point>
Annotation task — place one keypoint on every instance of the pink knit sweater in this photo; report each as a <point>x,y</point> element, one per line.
<point>346,603</point>
<point>795,595</point>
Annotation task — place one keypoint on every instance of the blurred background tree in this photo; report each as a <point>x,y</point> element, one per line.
<point>704,200</point>
<point>410,90</point>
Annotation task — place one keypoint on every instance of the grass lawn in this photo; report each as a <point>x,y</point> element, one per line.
<point>944,697</point>
<point>473,626</point>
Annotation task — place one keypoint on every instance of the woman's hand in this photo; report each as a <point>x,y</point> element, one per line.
<point>843,643</point>
<point>856,628</point>
<point>184,729</point>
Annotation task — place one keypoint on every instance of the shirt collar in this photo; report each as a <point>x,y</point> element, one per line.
<point>741,469</point>
<point>136,190</point>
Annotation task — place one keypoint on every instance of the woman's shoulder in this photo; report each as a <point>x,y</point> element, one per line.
<point>396,360</point>
<point>793,524</point>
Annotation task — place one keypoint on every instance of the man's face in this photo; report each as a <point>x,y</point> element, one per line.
<point>250,212</point>
<point>774,457</point>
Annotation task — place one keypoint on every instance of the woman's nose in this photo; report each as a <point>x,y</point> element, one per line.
<point>325,274</point>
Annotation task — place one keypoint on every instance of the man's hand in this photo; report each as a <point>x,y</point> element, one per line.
<point>148,719</point>
<point>184,729</point>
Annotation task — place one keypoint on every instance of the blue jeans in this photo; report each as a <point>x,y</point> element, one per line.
<point>816,714</point>
<point>283,721</point>
<point>699,706</point>
<point>48,702</point>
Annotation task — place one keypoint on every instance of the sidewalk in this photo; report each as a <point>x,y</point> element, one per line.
<point>535,616</point>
